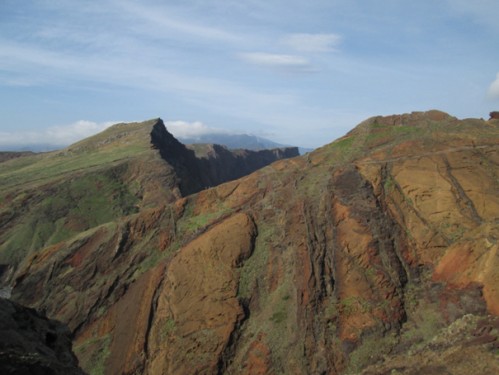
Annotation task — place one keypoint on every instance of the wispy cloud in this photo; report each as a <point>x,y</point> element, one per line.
<point>273,60</point>
<point>211,60</point>
<point>163,22</point>
<point>56,136</point>
<point>312,42</point>
<point>58,67</point>
<point>494,88</point>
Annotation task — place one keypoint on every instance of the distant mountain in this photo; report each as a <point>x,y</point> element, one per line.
<point>39,147</point>
<point>7,155</point>
<point>238,141</point>
<point>231,141</point>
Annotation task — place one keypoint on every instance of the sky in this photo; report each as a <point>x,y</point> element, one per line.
<point>297,72</point>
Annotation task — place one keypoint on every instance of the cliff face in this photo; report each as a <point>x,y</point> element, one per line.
<point>201,166</point>
<point>217,164</point>
<point>324,263</point>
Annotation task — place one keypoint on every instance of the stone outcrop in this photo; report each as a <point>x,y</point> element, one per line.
<point>32,344</point>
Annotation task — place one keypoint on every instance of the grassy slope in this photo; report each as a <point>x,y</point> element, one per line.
<point>46,198</point>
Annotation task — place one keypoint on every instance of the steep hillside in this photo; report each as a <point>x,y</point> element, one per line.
<point>329,263</point>
<point>51,197</point>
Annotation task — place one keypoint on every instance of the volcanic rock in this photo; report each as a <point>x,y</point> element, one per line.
<point>366,248</point>
<point>32,344</point>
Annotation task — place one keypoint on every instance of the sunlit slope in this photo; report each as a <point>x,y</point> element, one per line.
<point>49,197</point>
<point>324,263</point>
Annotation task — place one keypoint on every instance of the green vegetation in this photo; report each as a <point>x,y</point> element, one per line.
<point>36,174</point>
<point>389,184</point>
<point>71,207</point>
<point>95,351</point>
<point>344,145</point>
<point>279,316</point>
<point>426,322</point>
<point>252,268</point>
<point>192,223</point>
<point>346,306</point>
<point>167,329</point>
<point>371,350</point>
<point>44,168</point>
<point>392,133</point>
<point>51,197</point>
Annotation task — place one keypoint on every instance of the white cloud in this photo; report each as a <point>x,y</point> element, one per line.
<point>312,42</point>
<point>57,136</point>
<point>276,60</point>
<point>494,88</point>
<point>184,129</point>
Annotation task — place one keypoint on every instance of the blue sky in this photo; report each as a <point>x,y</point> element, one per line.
<point>297,72</point>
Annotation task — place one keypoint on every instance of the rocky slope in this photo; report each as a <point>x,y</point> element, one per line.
<point>328,263</point>
<point>32,344</point>
<point>467,346</point>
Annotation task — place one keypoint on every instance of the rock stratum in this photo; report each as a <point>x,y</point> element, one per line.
<point>363,256</point>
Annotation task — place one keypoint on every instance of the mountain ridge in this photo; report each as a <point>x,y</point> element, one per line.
<point>116,172</point>
<point>238,141</point>
<point>323,263</point>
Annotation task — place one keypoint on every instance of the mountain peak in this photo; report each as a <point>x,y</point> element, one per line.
<point>122,134</point>
<point>407,119</point>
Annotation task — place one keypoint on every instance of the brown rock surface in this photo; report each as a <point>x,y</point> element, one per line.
<point>327,263</point>
<point>197,309</point>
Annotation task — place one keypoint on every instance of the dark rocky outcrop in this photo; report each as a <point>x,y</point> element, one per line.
<point>217,164</point>
<point>32,344</point>
<point>209,165</point>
